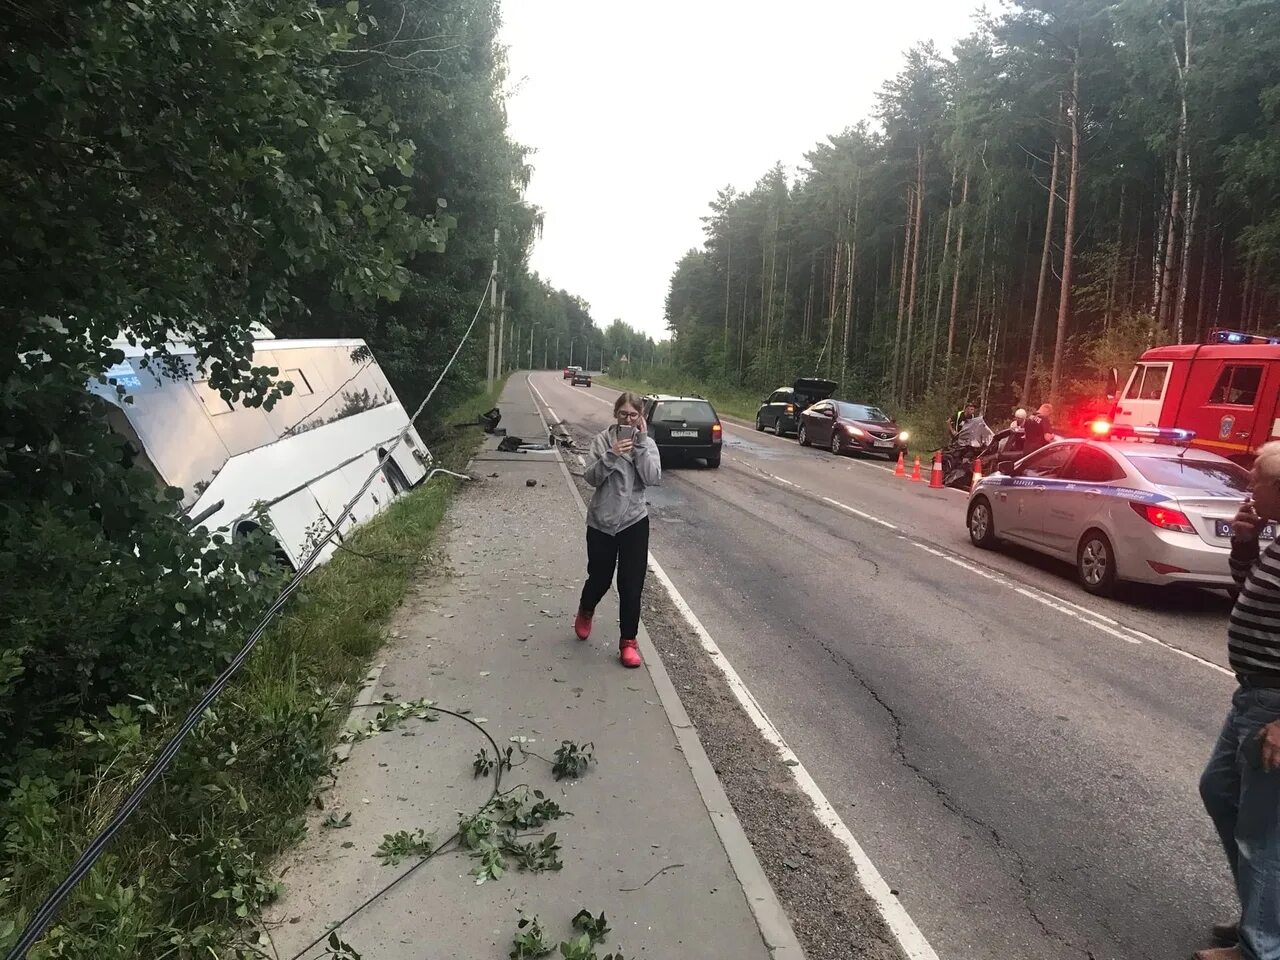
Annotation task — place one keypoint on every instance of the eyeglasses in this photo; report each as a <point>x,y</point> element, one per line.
<point>627,414</point>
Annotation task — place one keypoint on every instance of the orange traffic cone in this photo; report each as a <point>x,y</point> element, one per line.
<point>935,478</point>
<point>977,472</point>
<point>901,469</point>
<point>915,471</point>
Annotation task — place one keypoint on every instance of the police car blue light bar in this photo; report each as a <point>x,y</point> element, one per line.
<point>1101,430</point>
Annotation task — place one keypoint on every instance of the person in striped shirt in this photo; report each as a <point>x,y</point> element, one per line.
<point>1240,785</point>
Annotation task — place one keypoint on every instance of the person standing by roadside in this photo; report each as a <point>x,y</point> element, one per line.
<point>961,418</point>
<point>1019,422</point>
<point>1240,785</point>
<point>1038,429</point>
<point>623,461</point>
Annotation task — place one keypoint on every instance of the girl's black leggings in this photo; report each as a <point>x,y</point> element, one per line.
<point>628,551</point>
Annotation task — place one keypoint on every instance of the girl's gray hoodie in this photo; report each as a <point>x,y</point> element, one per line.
<point>620,481</point>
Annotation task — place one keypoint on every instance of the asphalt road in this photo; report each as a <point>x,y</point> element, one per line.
<point>1019,759</point>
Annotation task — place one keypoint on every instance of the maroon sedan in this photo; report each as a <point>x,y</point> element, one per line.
<point>844,427</point>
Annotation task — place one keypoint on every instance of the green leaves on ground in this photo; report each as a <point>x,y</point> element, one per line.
<point>495,835</point>
<point>597,928</point>
<point>572,760</point>
<point>484,764</point>
<point>529,941</point>
<point>340,950</point>
<point>403,844</point>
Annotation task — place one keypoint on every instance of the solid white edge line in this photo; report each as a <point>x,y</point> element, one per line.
<point>910,938</point>
<point>1183,653</point>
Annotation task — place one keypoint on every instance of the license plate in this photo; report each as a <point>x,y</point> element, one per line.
<point>884,443</point>
<point>1223,529</point>
<point>684,433</point>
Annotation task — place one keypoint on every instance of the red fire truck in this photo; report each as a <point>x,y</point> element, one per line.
<point>1227,391</point>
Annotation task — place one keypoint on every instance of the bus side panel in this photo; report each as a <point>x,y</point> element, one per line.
<point>297,521</point>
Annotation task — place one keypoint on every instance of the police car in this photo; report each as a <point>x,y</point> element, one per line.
<point>1142,507</point>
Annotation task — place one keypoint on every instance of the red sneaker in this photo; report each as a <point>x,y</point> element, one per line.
<point>628,653</point>
<point>582,625</point>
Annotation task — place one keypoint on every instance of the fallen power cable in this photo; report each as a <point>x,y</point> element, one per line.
<point>48,909</point>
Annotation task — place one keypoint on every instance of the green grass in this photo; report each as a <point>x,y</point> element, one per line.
<point>193,867</point>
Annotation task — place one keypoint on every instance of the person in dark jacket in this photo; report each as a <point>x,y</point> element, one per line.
<point>1038,430</point>
<point>623,461</point>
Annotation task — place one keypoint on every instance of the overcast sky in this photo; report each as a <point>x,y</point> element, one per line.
<point>639,113</point>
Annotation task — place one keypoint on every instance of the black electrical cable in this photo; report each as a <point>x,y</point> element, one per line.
<point>47,910</point>
<point>378,895</point>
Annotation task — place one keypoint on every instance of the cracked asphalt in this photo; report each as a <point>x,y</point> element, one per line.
<point>1024,781</point>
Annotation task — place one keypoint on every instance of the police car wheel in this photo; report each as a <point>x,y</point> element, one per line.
<point>982,526</point>
<point>1096,564</point>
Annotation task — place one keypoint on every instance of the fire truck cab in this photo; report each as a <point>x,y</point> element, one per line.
<point>1225,390</point>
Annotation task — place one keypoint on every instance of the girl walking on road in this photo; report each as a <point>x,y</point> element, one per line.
<point>623,461</point>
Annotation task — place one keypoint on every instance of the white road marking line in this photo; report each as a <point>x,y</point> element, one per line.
<point>1082,614</point>
<point>1040,598</point>
<point>913,942</point>
<point>859,513</point>
<point>1183,653</point>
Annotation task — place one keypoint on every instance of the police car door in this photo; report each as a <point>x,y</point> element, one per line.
<point>1080,493</point>
<point>1025,500</point>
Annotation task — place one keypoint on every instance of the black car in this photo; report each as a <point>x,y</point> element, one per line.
<point>581,379</point>
<point>684,428</point>
<point>781,410</point>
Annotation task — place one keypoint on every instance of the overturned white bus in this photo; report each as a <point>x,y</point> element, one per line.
<point>300,462</point>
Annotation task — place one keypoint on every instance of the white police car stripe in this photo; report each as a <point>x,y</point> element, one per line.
<point>1073,486</point>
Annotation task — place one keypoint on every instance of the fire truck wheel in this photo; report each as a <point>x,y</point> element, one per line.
<point>1096,564</point>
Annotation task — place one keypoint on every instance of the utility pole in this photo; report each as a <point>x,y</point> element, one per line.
<point>502,328</point>
<point>532,328</point>
<point>493,308</point>
<point>557,349</point>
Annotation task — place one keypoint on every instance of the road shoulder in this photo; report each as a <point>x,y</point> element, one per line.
<point>496,645</point>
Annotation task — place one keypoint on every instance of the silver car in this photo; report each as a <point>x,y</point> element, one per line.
<point>1119,510</point>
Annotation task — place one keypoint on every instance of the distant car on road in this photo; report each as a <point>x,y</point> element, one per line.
<point>781,410</point>
<point>851,427</point>
<point>570,371</point>
<point>1140,511</point>
<point>581,379</point>
<point>684,428</point>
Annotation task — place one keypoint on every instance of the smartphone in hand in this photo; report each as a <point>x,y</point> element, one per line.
<point>626,432</point>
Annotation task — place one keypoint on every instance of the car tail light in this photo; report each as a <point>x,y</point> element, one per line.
<point>1163,517</point>
<point>716,431</point>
